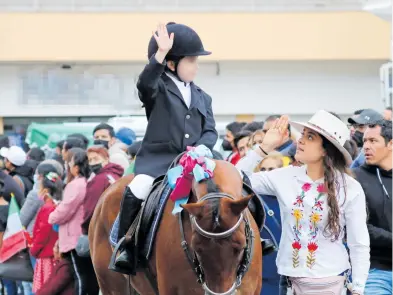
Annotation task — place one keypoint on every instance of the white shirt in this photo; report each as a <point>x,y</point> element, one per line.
<point>184,88</point>
<point>304,249</point>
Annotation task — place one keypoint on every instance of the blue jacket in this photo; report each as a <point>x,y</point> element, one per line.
<point>359,161</point>
<point>270,277</point>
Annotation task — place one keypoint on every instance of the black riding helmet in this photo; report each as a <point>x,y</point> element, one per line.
<point>186,43</point>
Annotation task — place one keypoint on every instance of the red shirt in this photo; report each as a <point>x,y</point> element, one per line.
<point>44,237</point>
<point>234,158</point>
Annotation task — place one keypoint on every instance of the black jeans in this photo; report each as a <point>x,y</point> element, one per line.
<point>84,275</point>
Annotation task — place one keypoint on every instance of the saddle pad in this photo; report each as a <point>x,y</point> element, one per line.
<point>147,246</point>
<point>149,241</point>
<point>114,232</point>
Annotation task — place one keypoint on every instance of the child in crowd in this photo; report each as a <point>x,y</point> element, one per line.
<point>44,237</point>
<point>61,281</point>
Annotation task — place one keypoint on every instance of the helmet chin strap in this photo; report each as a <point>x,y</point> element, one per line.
<point>176,61</point>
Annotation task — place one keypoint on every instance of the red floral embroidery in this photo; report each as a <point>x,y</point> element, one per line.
<point>312,247</point>
<point>318,205</point>
<point>295,253</point>
<point>315,218</point>
<point>306,187</point>
<point>296,245</point>
<point>321,189</point>
<point>298,202</point>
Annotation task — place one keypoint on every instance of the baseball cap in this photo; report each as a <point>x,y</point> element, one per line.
<point>367,117</point>
<point>126,135</point>
<point>14,154</point>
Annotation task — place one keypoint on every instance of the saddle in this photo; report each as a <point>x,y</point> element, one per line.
<point>146,224</point>
<point>150,217</point>
<point>151,213</point>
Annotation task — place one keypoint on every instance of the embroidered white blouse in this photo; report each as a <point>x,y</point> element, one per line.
<point>304,249</point>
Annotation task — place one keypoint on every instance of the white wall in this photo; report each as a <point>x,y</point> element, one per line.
<point>295,87</point>
<point>260,88</point>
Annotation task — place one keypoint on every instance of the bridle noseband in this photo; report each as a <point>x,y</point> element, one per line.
<point>211,235</point>
<point>193,259</point>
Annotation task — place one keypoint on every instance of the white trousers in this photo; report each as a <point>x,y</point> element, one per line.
<point>141,185</point>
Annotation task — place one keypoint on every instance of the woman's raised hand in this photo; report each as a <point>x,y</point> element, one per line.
<point>275,135</point>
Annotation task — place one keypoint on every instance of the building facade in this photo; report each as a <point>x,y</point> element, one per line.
<point>84,62</point>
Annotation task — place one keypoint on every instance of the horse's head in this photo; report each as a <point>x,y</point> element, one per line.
<point>221,233</point>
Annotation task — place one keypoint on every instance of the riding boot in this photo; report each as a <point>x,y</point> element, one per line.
<point>126,261</point>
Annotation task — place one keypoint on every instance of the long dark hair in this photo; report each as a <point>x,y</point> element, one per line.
<point>334,163</point>
<point>78,161</point>
<point>81,160</point>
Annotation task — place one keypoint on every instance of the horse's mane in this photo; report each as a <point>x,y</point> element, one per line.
<point>212,187</point>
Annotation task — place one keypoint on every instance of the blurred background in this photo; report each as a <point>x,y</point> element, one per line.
<point>78,60</point>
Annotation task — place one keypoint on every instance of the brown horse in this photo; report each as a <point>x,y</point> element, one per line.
<point>218,228</point>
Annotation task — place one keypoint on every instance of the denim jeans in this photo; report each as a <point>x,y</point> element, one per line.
<point>10,287</point>
<point>283,286</point>
<point>27,288</point>
<point>379,282</point>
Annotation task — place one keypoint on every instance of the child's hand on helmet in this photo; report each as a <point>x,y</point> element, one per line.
<point>164,41</point>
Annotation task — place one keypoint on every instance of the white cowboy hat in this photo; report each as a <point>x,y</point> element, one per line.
<point>330,127</point>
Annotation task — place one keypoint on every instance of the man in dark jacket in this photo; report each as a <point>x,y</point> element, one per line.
<point>359,123</point>
<point>15,164</point>
<point>8,186</point>
<point>375,176</point>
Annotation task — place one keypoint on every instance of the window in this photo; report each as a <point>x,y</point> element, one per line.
<point>77,85</point>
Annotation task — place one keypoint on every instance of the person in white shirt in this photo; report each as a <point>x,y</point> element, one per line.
<point>319,203</point>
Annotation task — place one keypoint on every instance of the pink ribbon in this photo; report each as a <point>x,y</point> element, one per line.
<point>184,182</point>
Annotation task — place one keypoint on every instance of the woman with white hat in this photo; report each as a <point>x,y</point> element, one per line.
<point>319,203</point>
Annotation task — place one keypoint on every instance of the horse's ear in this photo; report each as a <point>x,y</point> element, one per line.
<point>194,209</point>
<point>238,206</point>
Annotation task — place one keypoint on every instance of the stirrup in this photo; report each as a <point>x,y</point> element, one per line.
<point>112,262</point>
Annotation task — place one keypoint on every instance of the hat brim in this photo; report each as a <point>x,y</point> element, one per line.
<point>4,152</point>
<point>200,53</point>
<point>300,126</point>
<point>356,121</point>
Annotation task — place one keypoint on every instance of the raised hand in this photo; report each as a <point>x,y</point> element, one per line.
<point>275,135</point>
<point>164,41</point>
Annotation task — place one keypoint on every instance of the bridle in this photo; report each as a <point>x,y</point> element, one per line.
<point>193,259</point>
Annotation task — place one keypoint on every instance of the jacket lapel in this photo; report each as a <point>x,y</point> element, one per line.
<point>171,86</point>
<point>196,99</point>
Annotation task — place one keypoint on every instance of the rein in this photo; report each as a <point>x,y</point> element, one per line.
<point>193,259</point>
